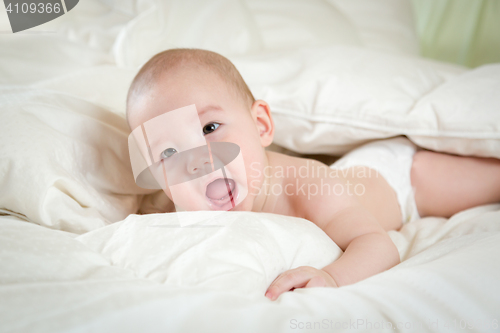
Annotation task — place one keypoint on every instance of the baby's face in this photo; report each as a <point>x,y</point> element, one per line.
<point>185,110</point>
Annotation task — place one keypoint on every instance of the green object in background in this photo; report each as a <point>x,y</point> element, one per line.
<point>466,32</point>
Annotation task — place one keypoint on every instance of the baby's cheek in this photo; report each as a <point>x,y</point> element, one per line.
<point>158,175</point>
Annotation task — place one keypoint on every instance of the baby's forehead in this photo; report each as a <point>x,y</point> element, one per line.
<point>184,119</point>
<point>148,109</point>
<point>188,74</point>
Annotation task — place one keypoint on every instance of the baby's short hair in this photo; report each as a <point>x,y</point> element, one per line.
<point>171,59</point>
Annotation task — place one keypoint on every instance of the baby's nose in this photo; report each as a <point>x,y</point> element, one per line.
<point>199,165</point>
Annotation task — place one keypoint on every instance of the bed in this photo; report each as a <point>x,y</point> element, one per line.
<point>84,249</point>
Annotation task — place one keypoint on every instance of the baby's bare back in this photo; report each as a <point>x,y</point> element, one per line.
<point>296,181</point>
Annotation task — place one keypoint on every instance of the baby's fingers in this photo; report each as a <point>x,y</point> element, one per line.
<point>295,278</point>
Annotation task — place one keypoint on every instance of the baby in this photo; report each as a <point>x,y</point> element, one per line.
<point>210,136</point>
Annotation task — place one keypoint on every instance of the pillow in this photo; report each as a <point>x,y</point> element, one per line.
<point>65,161</point>
<point>462,115</point>
<point>329,100</point>
<point>293,24</point>
<point>28,58</point>
<point>384,25</point>
<point>232,28</point>
<point>248,27</point>
<point>224,26</point>
<point>235,251</point>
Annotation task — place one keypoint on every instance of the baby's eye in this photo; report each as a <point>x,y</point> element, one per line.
<point>167,153</point>
<point>209,128</point>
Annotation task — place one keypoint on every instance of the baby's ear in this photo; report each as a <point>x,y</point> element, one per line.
<point>261,114</point>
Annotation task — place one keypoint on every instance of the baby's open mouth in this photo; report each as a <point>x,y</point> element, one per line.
<point>221,192</point>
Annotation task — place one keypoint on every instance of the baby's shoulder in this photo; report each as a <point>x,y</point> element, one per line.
<point>305,184</point>
<point>279,160</point>
<point>294,168</point>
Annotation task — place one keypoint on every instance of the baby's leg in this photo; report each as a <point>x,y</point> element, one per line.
<point>446,184</point>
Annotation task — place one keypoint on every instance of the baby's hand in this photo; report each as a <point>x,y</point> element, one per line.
<point>300,277</point>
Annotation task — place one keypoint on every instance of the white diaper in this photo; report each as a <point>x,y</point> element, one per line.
<point>392,158</point>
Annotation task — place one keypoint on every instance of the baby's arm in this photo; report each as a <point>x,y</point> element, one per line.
<point>368,249</point>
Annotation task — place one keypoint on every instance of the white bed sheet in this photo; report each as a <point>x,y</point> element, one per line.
<point>53,281</point>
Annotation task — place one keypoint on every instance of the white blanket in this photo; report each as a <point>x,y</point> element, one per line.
<point>131,277</point>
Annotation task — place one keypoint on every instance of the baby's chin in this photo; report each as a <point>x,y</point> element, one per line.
<point>244,206</point>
